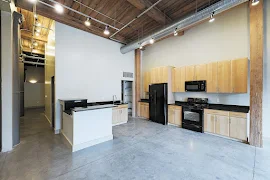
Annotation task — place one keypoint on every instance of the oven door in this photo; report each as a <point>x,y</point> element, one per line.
<point>192,119</point>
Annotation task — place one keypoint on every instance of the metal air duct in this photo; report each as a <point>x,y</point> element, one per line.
<point>204,14</point>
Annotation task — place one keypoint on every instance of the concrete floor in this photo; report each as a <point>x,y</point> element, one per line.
<point>140,150</point>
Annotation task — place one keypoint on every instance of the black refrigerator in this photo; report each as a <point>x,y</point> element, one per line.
<point>158,103</point>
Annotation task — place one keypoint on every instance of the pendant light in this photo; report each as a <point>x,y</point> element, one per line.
<point>87,22</point>
<point>212,19</point>
<point>152,41</point>
<point>59,8</point>
<point>255,2</point>
<point>175,32</point>
<point>106,31</point>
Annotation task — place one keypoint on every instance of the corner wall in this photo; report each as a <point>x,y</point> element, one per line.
<point>88,66</point>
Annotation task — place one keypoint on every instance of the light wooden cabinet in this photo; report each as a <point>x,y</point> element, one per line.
<point>175,115</point>
<point>144,110</point>
<point>239,78</point>
<point>161,74</point>
<point>146,81</point>
<point>224,123</point>
<point>179,77</point>
<point>190,73</point>
<point>211,77</point>
<point>120,115</point>
<point>224,76</point>
<point>200,72</point>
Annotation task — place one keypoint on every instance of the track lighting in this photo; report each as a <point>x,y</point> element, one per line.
<point>38,30</point>
<point>87,22</point>
<point>38,23</point>
<point>106,31</point>
<point>37,34</point>
<point>152,41</point>
<point>35,44</point>
<point>212,19</point>
<point>255,2</point>
<point>59,8</point>
<point>32,1</point>
<point>175,32</point>
<point>35,16</point>
<point>141,47</point>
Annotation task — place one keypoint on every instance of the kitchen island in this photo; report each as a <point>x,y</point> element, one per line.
<point>87,126</point>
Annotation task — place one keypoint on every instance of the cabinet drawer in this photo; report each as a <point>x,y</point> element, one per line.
<point>175,107</point>
<point>216,112</point>
<point>123,106</point>
<point>170,107</point>
<point>238,114</point>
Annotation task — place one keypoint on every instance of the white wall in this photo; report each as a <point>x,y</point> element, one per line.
<point>7,89</point>
<point>88,66</point>
<point>266,90</point>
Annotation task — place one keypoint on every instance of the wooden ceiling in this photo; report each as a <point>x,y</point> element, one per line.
<point>119,13</point>
<point>38,43</point>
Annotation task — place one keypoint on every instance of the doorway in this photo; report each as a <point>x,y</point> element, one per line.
<point>127,95</point>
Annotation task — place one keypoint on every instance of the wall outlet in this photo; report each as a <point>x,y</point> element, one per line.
<point>217,100</point>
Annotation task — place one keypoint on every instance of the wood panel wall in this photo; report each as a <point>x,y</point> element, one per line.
<point>256,73</point>
<point>137,80</point>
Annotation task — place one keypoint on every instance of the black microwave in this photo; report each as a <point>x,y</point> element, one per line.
<point>195,86</point>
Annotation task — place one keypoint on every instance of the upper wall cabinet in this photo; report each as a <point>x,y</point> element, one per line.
<point>178,79</point>
<point>200,72</point>
<point>146,81</point>
<point>224,77</point>
<point>211,77</point>
<point>161,74</point>
<point>239,75</point>
<point>190,73</point>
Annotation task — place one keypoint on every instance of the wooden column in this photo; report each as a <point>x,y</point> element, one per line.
<point>137,80</point>
<point>256,73</point>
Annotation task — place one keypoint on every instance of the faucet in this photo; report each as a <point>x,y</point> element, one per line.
<point>114,96</point>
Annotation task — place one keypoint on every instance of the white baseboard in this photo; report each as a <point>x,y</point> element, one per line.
<point>48,119</point>
<point>66,138</point>
<point>226,137</point>
<point>91,143</point>
<point>119,123</point>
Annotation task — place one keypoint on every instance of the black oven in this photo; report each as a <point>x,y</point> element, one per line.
<point>195,86</point>
<point>192,119</point>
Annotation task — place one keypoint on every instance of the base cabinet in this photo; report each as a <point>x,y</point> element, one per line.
<point>120,115</point>
<point>175,115</point>
<point>144,110</point>
<point>224,123</point>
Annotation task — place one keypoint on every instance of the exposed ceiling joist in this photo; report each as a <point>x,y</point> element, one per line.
<point>37,51</point>
<point>154,13</point>
<point>28,35</point>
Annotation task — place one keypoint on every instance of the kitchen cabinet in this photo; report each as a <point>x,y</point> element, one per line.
<point>224,76</point>
<point>224,123</point>
<point>161,74</point>
<point>144,110</point>
<point>146,81</point>
<point>239,77</point>
<point>200,72</point>
<point>179,77</point>
<point>120,114</point>
<point>175,115</point>
<point>190,73</point>
<point>211,77</point>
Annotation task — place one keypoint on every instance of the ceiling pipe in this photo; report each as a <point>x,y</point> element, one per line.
<point>202,15</point>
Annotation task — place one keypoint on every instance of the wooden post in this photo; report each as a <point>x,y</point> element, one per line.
<point>137,80</point>
<point>256,73</point>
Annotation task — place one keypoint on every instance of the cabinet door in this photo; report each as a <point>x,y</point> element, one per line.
<point>165,74</point>
<point>222,125</point>
<point>114,116</point>
<point>211,80</point>
<point>153,76</point>
<point>209,123</point>
<point>124,115</point>
<point>141,110</point>
<point>190,74</point>
<point>238,128</point>
<point>182,79</point>
<point>200,72</point>
<point>178,116</point>
<point>174,82</point>
<point>146,81</point>
<point>239,75</point>
<point>147,111</point>
<point>224,76</point>
<point>171,115</point>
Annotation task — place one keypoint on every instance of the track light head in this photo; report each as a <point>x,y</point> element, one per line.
<point>255,2</point>
<point>175,33</point>
<point>106,31</point>
<point>87,22</point>
<point>152,41</point>
<point>212,19</point>
<point>59,8</point>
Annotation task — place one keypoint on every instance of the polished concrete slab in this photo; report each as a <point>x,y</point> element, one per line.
<point>140,150</point>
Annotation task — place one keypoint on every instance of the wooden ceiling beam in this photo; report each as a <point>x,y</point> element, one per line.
<point>154,13</point>
<point>37,51</point>
<point>28,35</point>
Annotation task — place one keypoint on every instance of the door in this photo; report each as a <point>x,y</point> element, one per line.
<point>224,76</point>
<point>53,101</point>
<point>212,77</point>
<point>222,125</point>
<point>200,72</point>
<point>238,128</point>
<point>158,103</point>
<point>239,75</point>
<point>209,123</point>
<point>190,73</point>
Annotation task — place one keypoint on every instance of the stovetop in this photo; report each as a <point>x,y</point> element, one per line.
<point>197,103</point>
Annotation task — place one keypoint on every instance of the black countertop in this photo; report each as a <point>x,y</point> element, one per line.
<point>105,103</point>
<point>222,107</point>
